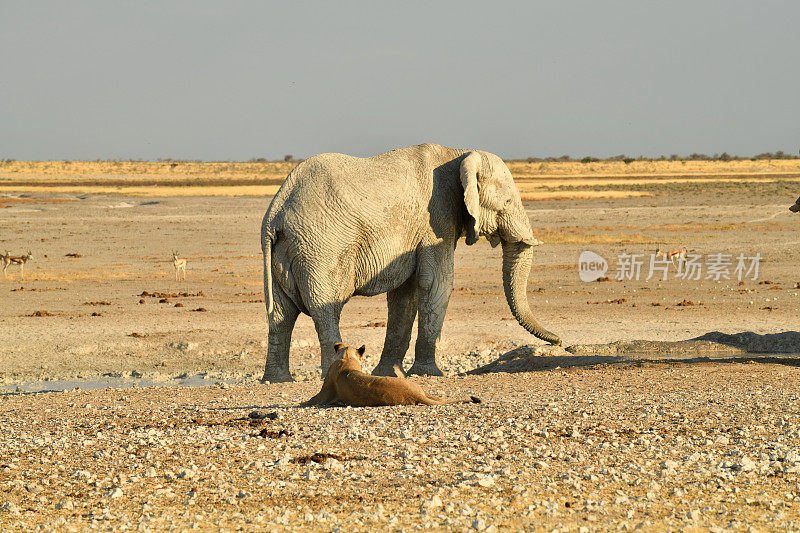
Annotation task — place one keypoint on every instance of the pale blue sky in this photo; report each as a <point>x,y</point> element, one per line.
<point>241,79</point>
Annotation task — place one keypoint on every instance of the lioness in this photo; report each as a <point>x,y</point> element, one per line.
<point>346,384</point>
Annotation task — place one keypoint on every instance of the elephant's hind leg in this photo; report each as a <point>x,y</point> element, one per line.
<point>281,324</point>
<point>402,303</point>
<point>326,321</point>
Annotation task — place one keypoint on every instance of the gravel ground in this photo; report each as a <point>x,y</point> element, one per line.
<point>571,443</point>
<point>649,446</point>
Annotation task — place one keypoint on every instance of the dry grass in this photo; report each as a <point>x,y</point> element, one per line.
<point>610,169</point>
<point>102,172</point>
<point>151,191</point>
<point>570,195</point>
<point>587,235</point>
<point>533,183</point>
<point>605,238</point>
<point>240,179</point>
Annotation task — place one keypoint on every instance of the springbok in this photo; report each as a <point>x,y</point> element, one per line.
<point>179,264</point>
<point>671,255</point>
<point>8,260</point>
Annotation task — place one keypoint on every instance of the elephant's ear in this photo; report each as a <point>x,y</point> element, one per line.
<point>469,180</point>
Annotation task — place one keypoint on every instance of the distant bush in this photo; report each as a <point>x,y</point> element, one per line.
<point>777,155</point>
<point>258,160</point>
<point>724,156</point>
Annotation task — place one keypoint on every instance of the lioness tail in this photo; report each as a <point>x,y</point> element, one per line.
<point>441,401</point>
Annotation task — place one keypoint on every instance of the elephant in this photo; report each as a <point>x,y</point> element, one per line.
<point>341,226</point>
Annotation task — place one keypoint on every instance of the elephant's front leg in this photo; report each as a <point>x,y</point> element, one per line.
<point>435,279</point>
<point>402,303</point>
<point>281,322</point>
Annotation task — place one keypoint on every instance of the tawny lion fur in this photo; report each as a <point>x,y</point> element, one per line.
<point>346,384</point>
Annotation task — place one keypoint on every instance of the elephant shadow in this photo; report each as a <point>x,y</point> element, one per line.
<point>773,348</point>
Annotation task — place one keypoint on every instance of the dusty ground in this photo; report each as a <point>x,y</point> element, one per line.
<point>664,445</point>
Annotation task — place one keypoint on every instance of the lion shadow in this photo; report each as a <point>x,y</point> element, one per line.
<point>775,348</point>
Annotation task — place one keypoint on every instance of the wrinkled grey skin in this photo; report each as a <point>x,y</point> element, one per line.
<point>342,225</point>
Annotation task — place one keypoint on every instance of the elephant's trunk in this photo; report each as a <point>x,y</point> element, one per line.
<point>517,258</point>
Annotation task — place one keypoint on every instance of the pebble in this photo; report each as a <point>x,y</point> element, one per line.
<point>700,457</point>
<point>10,508</point>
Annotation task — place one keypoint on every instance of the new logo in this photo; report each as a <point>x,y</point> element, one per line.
<point>591,266</point>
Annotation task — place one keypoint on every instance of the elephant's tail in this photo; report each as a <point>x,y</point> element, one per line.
<point>266,249</point>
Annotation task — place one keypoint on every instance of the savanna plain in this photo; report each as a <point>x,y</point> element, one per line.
<point>131,400</point>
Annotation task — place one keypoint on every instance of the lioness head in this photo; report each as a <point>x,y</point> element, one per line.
<point>350,356</point>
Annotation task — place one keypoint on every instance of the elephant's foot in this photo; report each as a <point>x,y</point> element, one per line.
<point>425,369</point>
<point>272,376</point>
<point>388,369</point>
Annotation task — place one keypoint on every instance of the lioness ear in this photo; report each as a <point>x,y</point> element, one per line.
<point>362,350</point>
<point>338,346</point>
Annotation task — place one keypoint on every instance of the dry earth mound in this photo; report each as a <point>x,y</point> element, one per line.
<point>713,345</point>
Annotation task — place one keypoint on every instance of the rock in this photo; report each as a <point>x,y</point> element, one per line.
<point>262,415</point>
<point>485,481</point>
<point>66,504</point>
<point>186,474</point>
<point>10,508</point>
<point>434,503</point>
<point>669,464</point>
<point>184,346</point>
<point>792,457</point>
<point>334,466</point>
<point>115,493</point>
<point>479,524</point>
<point>746,465</point>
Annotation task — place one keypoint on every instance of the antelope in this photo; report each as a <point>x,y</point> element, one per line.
<point>679,253</point>
<point>179,264</point>
<point>8,260</point>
